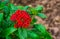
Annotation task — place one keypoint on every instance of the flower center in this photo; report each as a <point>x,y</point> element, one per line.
<point>22,19</point>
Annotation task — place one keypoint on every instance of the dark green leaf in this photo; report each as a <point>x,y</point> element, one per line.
<point>6,24</point>
<point>2,4</point>
<point>42,15</point>
<point>6,11</point>
<point>34,20</point>
<point>1,17</point>
<point>8,31</point>
<point>0,29</point>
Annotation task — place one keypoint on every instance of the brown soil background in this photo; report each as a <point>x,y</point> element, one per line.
<point>51,9</point>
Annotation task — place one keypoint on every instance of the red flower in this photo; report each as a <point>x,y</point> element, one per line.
<point>22,19</point>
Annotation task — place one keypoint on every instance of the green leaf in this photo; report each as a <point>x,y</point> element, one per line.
<point>34,20</point>
<point>43,31</point>
<point>26,7</point>
<point>39,8</point>
<point>40,28</point>
<point>32,35</point>
<point>19,34</point>
<point>6,23</point>
<point>42,15</point>
<point>48,35</point>
<point>6,11</point>
<point>13,8</point>
<point>8,31</point>
<point>1,17</point>
<point>33,11</point>
<point>2,4</point>
<point>0,29</point>
<point>24,33</point>
<point>8,37</point>
<point>29,12</point>
<point>20,7</point>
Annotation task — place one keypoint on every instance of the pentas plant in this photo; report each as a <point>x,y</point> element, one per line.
<point>19,22</point>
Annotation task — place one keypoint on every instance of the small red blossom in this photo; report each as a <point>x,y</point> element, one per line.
<point>22,19</point>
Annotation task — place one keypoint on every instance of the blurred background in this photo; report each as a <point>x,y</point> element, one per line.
<point>51,9</point>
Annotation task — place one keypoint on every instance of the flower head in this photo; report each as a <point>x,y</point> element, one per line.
<point>22,19</point>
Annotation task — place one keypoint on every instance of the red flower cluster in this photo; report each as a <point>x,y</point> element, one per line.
<point>22,19</point>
